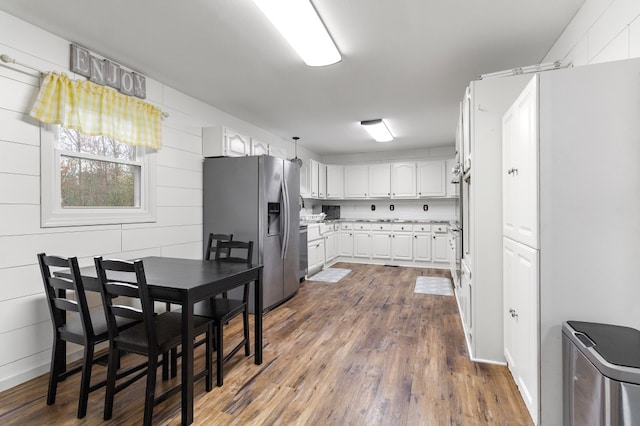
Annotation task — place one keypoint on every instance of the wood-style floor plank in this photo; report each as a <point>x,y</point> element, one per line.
<point>364,351</point>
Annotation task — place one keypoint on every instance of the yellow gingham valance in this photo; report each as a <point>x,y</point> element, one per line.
<point>97,110</point>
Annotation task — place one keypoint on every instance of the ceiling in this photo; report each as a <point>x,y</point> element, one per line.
<point>407,61</point>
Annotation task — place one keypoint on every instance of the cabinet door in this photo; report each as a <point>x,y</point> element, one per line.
<point>380,180</point>
<point>258,147</point>
<point>276,151</point>
<point>453,189</point>
<point>346,243</point>
<point>315,178</point>
<point>335,181</point>
<point>322,180</point>
<point>356,181</point>
<point>431,181</point>
<point>403,180</point>
<point>466,130</point>
<point>330,247</point>
<point>439,248</point>
<point>236,144</point>
<point>520,167</point>
<point>305,180</point>
<point>520,275</point>
<point>362,244</point>
<point>381,245</point>
<point>401,246</point>
<point>422,247</point>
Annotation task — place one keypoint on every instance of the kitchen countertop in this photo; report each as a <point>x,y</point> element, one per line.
<point>438,221</point>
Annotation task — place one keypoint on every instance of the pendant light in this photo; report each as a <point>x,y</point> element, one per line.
<point>296,160</point>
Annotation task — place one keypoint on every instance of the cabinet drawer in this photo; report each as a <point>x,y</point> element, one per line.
<point>440,228</point>
<point>400,227</point>
<point>381,227</point>
<point>362,226</point>
<point>346,226</point>
<point>422,227</point>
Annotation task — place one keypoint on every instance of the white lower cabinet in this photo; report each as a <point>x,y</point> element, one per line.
<point>315,252</point>
<point>345,246</point>
<point>380,241</point>
<point>402,242</point>
<point>361,242</point>
<point>422,246</point>
<point>520,295</point>
<point>330,244</point>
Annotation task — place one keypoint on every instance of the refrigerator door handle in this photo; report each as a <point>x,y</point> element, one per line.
<point>287,218</point>
<point>283,232</point>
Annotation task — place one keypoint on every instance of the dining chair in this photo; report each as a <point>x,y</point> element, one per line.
<point>222,310</point>
<point>82,327</point>
<point>211,248</point>
<point>156,334</point>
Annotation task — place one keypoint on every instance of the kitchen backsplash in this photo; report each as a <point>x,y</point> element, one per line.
<point>438,209</point>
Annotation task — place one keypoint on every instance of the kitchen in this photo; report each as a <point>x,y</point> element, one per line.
<point>611,30</point>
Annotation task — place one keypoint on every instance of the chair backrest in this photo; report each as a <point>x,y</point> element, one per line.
<point>217,238</point>
<point>56,289</point>
<point>121,278</point>
<point>235,251</point>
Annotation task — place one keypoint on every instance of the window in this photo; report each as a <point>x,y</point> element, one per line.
<point>92,180</point>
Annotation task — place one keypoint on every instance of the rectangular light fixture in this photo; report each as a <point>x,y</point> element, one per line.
<point>378,130</point>
<point>300,25</point>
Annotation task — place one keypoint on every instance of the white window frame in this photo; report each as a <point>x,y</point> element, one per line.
<point>52,213</point>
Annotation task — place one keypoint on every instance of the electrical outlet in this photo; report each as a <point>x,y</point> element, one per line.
<point>373,207</point>
<point>425,207</point>
<point>392,207</point>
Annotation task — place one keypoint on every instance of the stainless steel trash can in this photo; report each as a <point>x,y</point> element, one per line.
<point>601,374</point>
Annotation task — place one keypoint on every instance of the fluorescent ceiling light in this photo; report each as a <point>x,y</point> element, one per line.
<point>378,130</point>
<point>300,25</point>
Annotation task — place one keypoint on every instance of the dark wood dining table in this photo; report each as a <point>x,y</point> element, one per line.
<point>187,281</point>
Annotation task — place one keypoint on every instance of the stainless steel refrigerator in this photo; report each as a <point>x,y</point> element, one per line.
<point>256,199</point>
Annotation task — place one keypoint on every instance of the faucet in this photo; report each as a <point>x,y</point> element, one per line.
<point>301,205</point>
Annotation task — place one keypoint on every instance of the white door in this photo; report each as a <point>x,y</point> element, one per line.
<point>401,246</point>
<point>322,180</point>
<point>403,180</point>
<point>381,245</point>
<point>259,147</point>
<point>335,181</point>
<point>236,144</point>
<point>422,247</point>
<point>361,244</point>
<point>379,180</point>
<point>520,161</point>
<point>431,175</point>
<point>315,178</point>
<point>356,181</point>
<point>305,180</point>
<point>346,243</point>
<point>439,248</point>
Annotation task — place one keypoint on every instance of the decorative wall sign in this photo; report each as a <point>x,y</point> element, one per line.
<point>106,72</point>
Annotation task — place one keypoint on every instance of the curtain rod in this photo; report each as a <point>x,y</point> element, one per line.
<point>9,60</point>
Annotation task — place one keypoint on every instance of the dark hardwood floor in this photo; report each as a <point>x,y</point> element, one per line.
<point>364,351</point>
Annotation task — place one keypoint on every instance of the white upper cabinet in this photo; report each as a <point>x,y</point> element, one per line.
<point>315,177</point>
<point>335,181</point>
<point>380,180</point>
<point>403,180</point>
<point>520,165</point>
<point>453,189</point>
<point>259,147</point>
<point>431,175</point>
<point>305,179</point>
<point>222,141</point>
<point>322,180</point>
<point>356,181</point>
<point>466,130</point>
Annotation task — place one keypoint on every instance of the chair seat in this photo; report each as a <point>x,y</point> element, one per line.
<point>218,308</point>
<point>169,332</point>
<point>73,331</point>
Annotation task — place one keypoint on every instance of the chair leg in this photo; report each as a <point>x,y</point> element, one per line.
<point>245,321</point>
<point>85,381</point>
<point>55,369</point>
<point>151,389</point>
<point>219,355</point>
<point>209,357</point>
<point>114,355</point>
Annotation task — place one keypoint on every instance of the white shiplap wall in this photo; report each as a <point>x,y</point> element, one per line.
<point>601,31</point>
<point>25,330</point>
